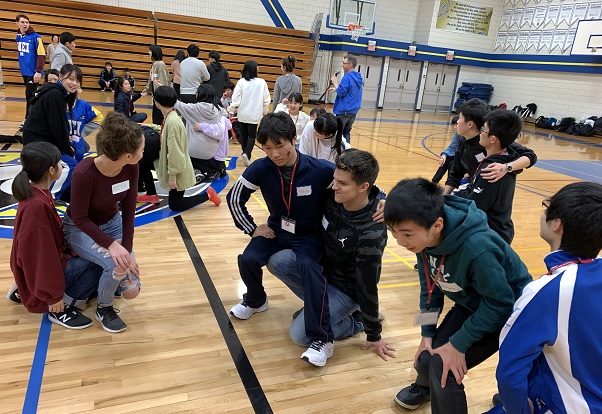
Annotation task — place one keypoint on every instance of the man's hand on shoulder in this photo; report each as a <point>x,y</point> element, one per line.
<point>379,214</point>
<point>381,347</point>
<point>263,230</point>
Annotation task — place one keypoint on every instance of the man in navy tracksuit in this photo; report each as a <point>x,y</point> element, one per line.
<point>295,188</point>
<point>349,94</point>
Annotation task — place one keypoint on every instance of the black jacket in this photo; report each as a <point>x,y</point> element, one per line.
<point>124,103</point>
<point>47,118</point>
<point>470,153</point>
<point>352,261</point>
<point>495,199</point>
<point>218,77</point>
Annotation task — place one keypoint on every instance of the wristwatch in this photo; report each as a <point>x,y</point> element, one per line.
<point>509,167</point>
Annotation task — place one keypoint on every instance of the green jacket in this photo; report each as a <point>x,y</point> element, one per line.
<point>174,162</point>
<point>481,272</point>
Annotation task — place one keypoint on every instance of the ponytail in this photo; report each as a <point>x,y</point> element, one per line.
<point>327,124</point>
<point>338,140</point>
<point>36,159</point>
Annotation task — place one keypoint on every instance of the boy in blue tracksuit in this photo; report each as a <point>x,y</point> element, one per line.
<point>349,94</point>
<point>294,187</point>
<point>31,57</point>
<point>550,349</point>
<point>461,258</point>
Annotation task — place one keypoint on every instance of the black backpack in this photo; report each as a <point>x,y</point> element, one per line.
<point>540,122</point>
<point>564,124</point>
<point>573,129</point>
<point>598,124</point>
<point>585,130</point>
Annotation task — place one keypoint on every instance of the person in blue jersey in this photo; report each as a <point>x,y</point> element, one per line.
<point>295,188</point>
<point>550,348</point>
<point>349,94</point>
<point>31,57</point>
<point>464,261</point>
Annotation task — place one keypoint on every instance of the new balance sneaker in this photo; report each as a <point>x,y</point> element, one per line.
<point>242,311</point>
<point>245,160</point>
<point>318,352</point>
<point>71,318</point>
<point>413,396</point>
<point>108,318</point>
<point>13,295</point>
<point>213,197</point>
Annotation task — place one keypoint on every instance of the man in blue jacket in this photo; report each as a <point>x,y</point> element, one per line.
<point>31,57</point>
<point>349,94</point>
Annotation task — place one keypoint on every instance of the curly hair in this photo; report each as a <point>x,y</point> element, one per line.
<point>117,136</point>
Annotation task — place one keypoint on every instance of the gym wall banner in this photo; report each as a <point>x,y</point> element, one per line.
<point>462,17</point>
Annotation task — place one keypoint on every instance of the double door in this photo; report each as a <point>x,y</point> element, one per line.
<point>439,88</point>
<point>403,80</point>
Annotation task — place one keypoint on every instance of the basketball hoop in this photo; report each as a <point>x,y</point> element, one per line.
<point>355,30</point>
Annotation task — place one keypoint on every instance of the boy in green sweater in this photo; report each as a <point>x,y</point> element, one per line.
<point>460,257</point>
<point>174,168</point>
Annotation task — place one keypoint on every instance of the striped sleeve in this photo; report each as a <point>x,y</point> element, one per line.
<point>522,340</point>
<point>237,199</point>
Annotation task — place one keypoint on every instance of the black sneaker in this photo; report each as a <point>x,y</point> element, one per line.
<point>199,176</point>
<point>13,295</point>
<point>416,267</point>
<point>71,318</point>
<point>108,318</point>
<point>496,400</point>
<point>297,313</point>
<point>411,397</point>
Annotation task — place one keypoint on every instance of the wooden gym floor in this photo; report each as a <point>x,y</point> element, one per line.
<point>182,353</point>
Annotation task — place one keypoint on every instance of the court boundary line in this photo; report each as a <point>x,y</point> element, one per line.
<point>245,370</point>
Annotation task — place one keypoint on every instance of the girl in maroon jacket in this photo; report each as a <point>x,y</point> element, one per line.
<point>48,278</point>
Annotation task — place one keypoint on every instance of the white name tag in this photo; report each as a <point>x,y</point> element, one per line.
<point>426,317</point>
<point>449,287</point>
<point>288,224</point>
<point>304,191</point>
<point>121,187</point>
<point>324,223</point>
<point>480,157</point>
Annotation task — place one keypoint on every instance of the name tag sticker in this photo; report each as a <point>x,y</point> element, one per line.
<point>480,157</point>
<point>121,187</point>
<point>426,317</point>
<point>304,191</point>
<point>324,223</point>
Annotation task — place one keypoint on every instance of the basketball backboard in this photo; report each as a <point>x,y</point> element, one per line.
<point>357,12</point>
<point>588,38</point>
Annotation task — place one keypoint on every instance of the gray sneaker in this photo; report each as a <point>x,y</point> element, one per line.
<point>13,294</point>
<point>108,318</point>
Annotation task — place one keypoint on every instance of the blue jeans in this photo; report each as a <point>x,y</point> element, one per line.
<point>283,265</point>
<point>81,280</point>
<point>84,246</point>
<point>308,249</point>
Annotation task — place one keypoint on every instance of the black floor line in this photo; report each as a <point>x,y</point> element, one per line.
<point>245,370</point>
<point>6,146</point>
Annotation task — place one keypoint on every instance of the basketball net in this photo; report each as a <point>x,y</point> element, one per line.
<point>355,30</point>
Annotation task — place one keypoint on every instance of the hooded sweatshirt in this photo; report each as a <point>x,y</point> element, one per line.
<point>349,94</point>
<point>481,273</point>
<point>495,199</point>
<point>31,52</point>
<point>200,145</point>
<point>285,85</point>
<point>61,57</point>
<point>218,76</point>
<point>47,118</point>
<point>352,260</point>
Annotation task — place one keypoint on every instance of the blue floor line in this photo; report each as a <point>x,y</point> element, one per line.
<point>34,385</point>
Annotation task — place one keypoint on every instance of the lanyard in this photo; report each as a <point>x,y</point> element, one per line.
<point>290,191</point>
<point>430,285</point>
<point>163,124</point>
<point>479,166</point>
<point>570,262</point>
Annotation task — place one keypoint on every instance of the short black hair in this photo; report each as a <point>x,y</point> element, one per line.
<point>297,97</point>
<point>474,110</point>
<point>108,64</point>
<point>166,96</point>
<point>249,70</point>
<point>156,52</point>
<point>51,72</point>
<point>361,164</point>
<point>414,199</point>
<point>505,125</point>
<point>276,126</point>
<point>579,208</point>
<point>193,50</point>
<point>180,55</point>
<point>455,120</point>
<point>126,69</point>
<point>21,16</point>
<point>66,37</point>
<point>214,54</point>
<point>317,112</point>
<point>228,85</point>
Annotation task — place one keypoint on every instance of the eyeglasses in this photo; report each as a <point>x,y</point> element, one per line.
<point>346,63</point>
<point>545,204</point>
<point>483,131</point>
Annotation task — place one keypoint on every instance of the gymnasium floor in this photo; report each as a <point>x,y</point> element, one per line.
<point>182,353</point>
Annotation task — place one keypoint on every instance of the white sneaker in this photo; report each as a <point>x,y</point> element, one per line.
<point>242,311</point>
<point>245,160</point>
<point>318,352</point>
